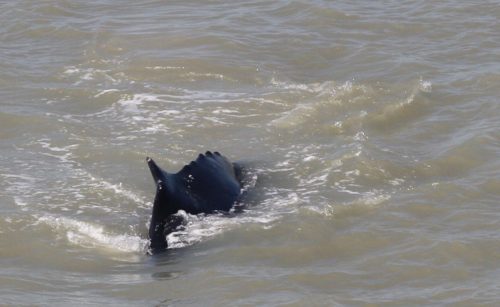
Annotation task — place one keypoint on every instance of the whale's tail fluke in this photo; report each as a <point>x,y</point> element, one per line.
<point>156,171</point>
<point>210,183</point>
<point>157,223</point>
<point>161,210</point>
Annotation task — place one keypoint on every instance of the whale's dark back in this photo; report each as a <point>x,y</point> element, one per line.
<point>210,183</point>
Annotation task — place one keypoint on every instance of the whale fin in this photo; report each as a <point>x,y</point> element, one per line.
<point>157,224</point>
<point>210,183</point>
<point>156,171</point>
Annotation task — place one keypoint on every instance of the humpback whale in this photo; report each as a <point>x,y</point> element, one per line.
<point>209,184</point>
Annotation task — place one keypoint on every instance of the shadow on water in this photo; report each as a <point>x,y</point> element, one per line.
<point>167,260</point>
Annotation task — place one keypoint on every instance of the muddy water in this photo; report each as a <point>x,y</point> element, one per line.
<point>370,130</point>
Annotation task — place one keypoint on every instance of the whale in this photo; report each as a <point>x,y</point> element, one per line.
<point>209,184</point>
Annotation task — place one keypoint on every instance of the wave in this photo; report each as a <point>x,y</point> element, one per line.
<point>344,172</point>
<point>349,108</point>
<point>92,235</point>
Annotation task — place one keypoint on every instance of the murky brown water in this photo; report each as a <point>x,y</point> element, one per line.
<point>371,131</point>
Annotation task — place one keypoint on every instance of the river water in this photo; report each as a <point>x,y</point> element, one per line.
<point>370,130</point>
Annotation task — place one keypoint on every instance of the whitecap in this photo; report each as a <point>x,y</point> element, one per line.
<point>103,92</point>
<point>92,235</point>
<point>120,190</point>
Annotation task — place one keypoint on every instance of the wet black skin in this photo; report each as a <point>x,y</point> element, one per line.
<point>208,184</point>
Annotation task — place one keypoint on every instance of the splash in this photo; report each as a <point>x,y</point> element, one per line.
<point>92,235</point>
<point>200,228</point>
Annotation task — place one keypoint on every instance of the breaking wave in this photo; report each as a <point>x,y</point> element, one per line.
<point>92,235</point>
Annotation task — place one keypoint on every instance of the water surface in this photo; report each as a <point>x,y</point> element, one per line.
<point>371,131</point>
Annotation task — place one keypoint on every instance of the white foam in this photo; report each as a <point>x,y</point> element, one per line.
<point>71,70</point>
<point>105,92</point>
<point>201,228</point>
<point>322,88</point>
<point>310,158</point>
<point>92,235</point>
<point>169,112</point>
<point>224,111</point>
<point>215,120</point>
<point>360,136</point>
<point>132,104</point>
<point>317,180</point>
<point>344,189</point>
<point>20,187</point>
<point>165,67</point>
<point>45,143</point>
<point>204,75</point>
<point>85,74</point>
<point>63,154</point>
<point>290,85</point>
<point>425,86</point>
<point>200,96</point>
<point>118,189</point>
<point>372,199</point>
<point>138,104</point>
<point>396,181</point>
<point>19,202</point>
